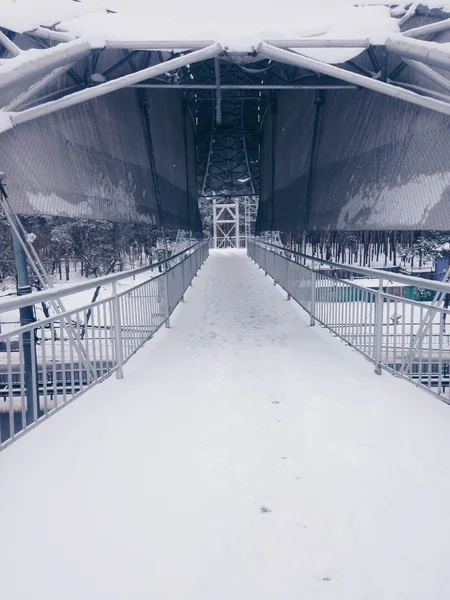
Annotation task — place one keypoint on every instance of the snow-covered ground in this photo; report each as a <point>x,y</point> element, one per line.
<point>245,456</point>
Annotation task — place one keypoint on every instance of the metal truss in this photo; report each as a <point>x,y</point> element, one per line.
<point>227,90</point>
<point>33,260</point>
<point>234,221</point>
<point>226,224</point>
<point>229,156</point>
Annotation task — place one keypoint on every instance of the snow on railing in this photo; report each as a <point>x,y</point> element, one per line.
<point>42,368</point>
<point>398,322</point>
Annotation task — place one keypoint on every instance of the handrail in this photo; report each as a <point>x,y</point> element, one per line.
<point>42,369</point>
<point>429,284</point>
<point>400,335</point>
<point>45,295</point>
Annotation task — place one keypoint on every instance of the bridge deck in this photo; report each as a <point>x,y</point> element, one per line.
<point>245,456</point>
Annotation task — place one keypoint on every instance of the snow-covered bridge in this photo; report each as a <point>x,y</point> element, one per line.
<point>244,455</point>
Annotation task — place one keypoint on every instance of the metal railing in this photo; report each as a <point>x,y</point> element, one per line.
<point>404,336</point>
<point>73,351</point>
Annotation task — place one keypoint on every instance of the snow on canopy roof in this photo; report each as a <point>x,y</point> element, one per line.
<point>239,27</point>
<point>306,16</point>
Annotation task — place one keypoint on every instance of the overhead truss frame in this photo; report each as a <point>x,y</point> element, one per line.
<point>227,90</point>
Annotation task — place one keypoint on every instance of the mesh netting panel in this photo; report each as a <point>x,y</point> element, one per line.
<point>264,216</point>
<point>92,161</point>
<point>194,213</point>
<point>381,164</point>
<point>174,148</point>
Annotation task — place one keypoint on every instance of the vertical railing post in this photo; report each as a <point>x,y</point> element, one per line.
<point>287,278</point>
<point>378,328</point>
<point>166,296</point>
<point>27,316</point>
<point>313,295</point>
<point>286,258</point>
<point>117,327</point>
<point>265,253</point>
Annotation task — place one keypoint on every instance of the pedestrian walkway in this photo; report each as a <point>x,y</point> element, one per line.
<point>245,456</point>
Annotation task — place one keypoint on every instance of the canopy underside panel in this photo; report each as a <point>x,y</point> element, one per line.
<point>337,122</point>
<point>93,161</point>
<point>354,161</point>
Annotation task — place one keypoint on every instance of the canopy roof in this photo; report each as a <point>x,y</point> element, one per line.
<point>328,31</point>
<point>229,68</point>
<point>239,27</point>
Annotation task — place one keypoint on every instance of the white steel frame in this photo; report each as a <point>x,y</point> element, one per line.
<point>250,211</point>
<point>226,224</point>
<point>54,61</point>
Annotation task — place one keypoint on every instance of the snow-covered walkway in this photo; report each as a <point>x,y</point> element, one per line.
<point>245,456</point>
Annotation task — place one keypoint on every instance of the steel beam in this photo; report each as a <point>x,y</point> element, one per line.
<point>318,43</point>
<point>429,53</point>
<point>112,86</point>
<point>63,55</point>
<point>274,111</point>
<point>428,72</point>
<point>365,82</point>
<point>425,30</point>
<point>50,97</point>
<point>224,86</point>
<point>158,44</point>
<point>49,34</point>
<point>218,92</point>
<point>197,44</point>
<point>247,162</point>
<point>118,63</point>
<point>319,101</point>
<point>423,10</point>
<point>360,69</point>
<point>9,45</point>
<point>36,88</point>
<point>27,316</point>
<point>423,91</point>
<point>410,13</point>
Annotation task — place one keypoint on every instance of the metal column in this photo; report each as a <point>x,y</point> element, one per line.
<point>27,316</point>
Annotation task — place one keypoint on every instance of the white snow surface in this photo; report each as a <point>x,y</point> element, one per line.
<point>239,27</point>
<point>155,486</point>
